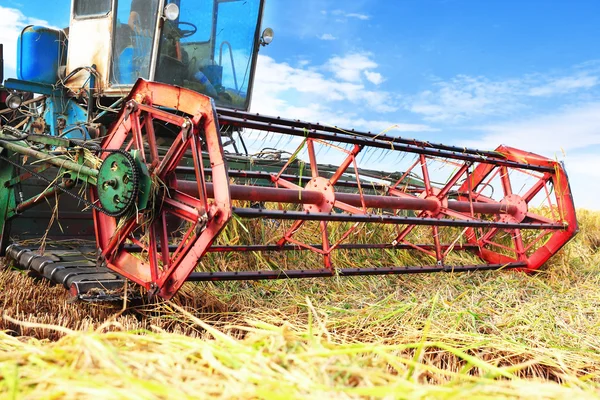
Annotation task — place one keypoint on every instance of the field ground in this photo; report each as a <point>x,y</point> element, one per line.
<point>476,335</point>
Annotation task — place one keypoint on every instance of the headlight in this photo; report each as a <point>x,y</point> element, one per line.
<point>13,101</point>
<point>171,12</point>
<point>267,36</point>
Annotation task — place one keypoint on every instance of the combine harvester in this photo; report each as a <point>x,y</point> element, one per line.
<point>137,120</point>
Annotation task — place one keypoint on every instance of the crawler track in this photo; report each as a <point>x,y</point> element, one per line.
<point>72,269</point>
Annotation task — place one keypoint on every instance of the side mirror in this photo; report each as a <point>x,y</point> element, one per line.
<point>266,37</point>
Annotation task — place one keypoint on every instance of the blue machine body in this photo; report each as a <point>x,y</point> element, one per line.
<point>40,53</point>
<point>58,106</point>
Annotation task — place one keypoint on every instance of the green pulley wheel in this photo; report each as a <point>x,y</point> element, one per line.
<point>118,180</point>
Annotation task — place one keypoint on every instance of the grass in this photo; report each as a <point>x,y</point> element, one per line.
<point>475,335</point>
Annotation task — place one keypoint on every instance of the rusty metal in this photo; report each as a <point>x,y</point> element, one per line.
<point>58,161</point>
<point>178,207</point>
<point>50,192</point>
<point>165,272</point>
<point>441,202</point>
<point>458,213</point>
<point>257,193</point>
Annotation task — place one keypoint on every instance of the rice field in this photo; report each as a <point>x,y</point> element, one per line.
<point>476,335</point>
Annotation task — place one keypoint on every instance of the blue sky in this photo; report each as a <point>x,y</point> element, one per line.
<point>467,72</point>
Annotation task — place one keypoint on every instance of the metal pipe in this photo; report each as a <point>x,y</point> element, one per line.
<point>401,203</point>
<point>91,88</point>
<point>388,219</point>
<point>482,208</point>
<point>57,161</point>
<point>267,176</point>
<point>342,246</point>
<point>292,247</point>
<point>27,204</point>
<point>317,273</point>
<point>390,202</point>
<point>279,195</point>
<point>257,193</point>
<point>223,43</point>
<point>107,110</point>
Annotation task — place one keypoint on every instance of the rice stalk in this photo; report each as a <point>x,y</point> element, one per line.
<point>474,335</point>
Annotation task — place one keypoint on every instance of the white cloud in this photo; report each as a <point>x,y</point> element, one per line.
<point>285,100</point>
<point>327,36</point>
<point>374,77</point>
<point>359,16</point>
<point>12,23</point>
<point>378,101</point>
<point>583,169</point>
<point>307,94</point>
<point>584,164</point>
<point>565,85</point>
<point>377,126</point>
<point>465,96</point>
<point>571,135</point>
<point>283,79</point>
<point>571,129</point>
<point>342,13</point>
<point>350,66</point>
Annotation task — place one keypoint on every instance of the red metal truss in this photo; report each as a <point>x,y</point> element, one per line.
<point>561,209</point>
<point>170,258</point>
<point>507,230</point>
<point>511,208</point>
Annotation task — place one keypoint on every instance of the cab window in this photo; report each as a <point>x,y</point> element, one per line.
<point>210,48</point>
<point>135,27</point>
<point>91,8</point>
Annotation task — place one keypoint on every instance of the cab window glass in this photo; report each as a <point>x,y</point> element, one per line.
<point>234,49</point>
<point>195,20</point>
<point>210,48</point>
<point>135,27</point>
<point>89,8</point>
<point>186,44</point>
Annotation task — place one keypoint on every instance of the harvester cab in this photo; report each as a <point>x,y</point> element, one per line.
<point>118,131</point>
<point>207,46</point>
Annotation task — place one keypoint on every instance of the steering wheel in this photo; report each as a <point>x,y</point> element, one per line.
<point>187,32</point>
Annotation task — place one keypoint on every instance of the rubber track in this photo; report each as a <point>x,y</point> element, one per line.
<point>71,269</point>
